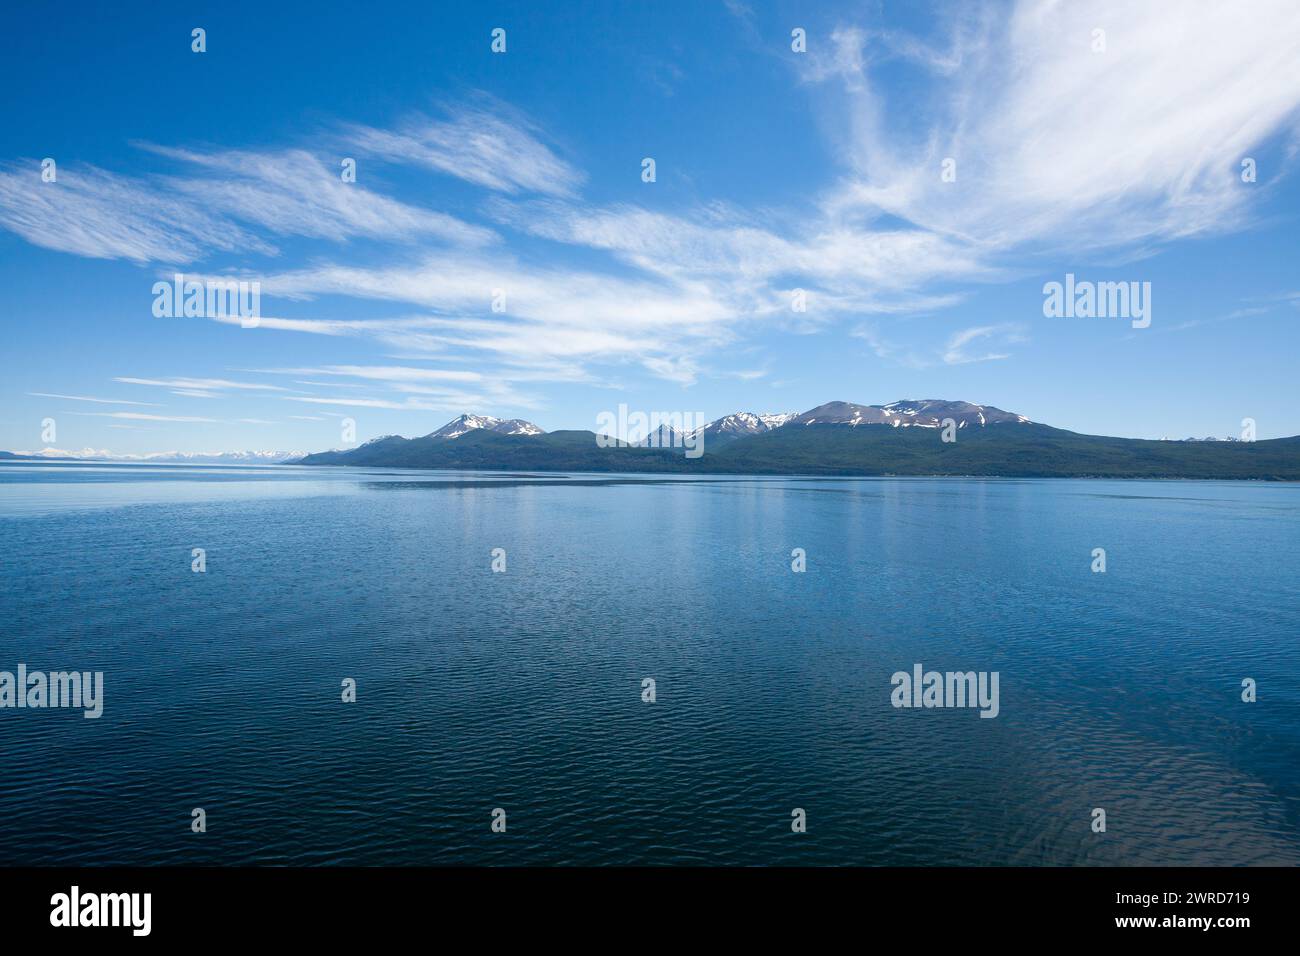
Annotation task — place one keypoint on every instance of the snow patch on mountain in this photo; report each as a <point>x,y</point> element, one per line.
<point>776,419</point>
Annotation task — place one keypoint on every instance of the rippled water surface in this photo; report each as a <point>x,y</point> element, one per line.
<point>522,690</point>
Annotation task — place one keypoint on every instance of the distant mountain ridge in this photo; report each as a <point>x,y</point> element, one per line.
<point>836,438</point>
<point>926,413</point>
<point>717,433</point>
<point>161,457</point>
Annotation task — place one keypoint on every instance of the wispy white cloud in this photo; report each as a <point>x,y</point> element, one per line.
<point>485,143</point>
<point>201,384</point>
<point>988,336</point>
<point>295,193</point>
<point>841,57</point>
<point>101,215</point>
<point>891,351</point>
<point>853,267</point>
<point>425,400</point>
<point>350,400</point>
<point>1059,147</point>
<point>684,370</point>
<point>955,350</point>
<point>86,398</point>
<point>552,315</point>
<point>141,416</point>
<point>383,373</point>
<point>228,203</point>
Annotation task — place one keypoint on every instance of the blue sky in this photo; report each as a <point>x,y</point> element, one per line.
<point>522,172</point>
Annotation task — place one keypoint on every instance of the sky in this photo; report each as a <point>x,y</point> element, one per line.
<point>870,219</point>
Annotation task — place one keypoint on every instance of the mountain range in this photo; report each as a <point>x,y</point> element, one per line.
<point>836,438</point>
<point>159,457</point>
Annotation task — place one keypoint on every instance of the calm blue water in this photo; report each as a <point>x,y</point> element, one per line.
<point>522,690</point>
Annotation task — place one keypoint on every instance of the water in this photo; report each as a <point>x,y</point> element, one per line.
<point>522,690</point>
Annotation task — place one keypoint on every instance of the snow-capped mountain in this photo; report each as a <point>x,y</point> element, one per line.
<point>930,413</point>
<point>665,436</point>
<point>741,425</point>
<point>86,453</point>
<point>226,457</point>
<point>925,413</point>
<point>748,423</point>
<point>691,442</point>
<point>468,423</point>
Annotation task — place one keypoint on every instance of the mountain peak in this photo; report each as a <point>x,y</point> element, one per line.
<point>467,423</point>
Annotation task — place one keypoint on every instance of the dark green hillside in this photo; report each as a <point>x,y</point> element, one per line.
<point>485,450</point>
<point>1002,449</point>
<point>1012,450</point>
